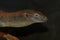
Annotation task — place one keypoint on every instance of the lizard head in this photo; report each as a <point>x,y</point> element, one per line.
<point>36,17</point>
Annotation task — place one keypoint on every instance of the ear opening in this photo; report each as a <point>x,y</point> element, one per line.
<point>25,15</point>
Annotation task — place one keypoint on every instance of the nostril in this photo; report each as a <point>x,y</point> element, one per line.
<point>45,18</point>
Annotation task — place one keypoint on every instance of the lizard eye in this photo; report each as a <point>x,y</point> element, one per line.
<point>36,15</point>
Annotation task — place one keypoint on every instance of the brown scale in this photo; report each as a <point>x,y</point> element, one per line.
<point>9,15</point>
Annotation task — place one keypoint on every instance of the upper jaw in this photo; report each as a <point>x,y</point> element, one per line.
<point>39,20</point>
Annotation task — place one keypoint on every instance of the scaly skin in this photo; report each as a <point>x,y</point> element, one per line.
<point>19,18</point>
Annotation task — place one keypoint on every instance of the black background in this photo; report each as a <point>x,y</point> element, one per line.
<point>51,8</point>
